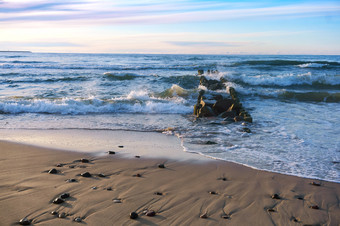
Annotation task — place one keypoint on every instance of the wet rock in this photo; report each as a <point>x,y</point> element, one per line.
<point>228,114</point>
<point>54,213</point>
<point>86,174</point>
<point>117,201</point>
<point>211,84</point>
<point>111,152</point>
<point>246,130</point>
<point>150,213</point>
<point>65,195</point>
<point>238,118</point>
<point>162,166</point>
<point>25,221</point>
<point>204,216</point>
<point>205,111</point>
<point>62,215</point>
<point>210,142</point>
<point>78,219</point>
<point>58,200</point>
<point>248,119</point>
<point>200,72</point>
<point>222,105</point>
<point>53,171</point>
<point>133,215</point>
<point>276,196</point>
<point>84,160</point>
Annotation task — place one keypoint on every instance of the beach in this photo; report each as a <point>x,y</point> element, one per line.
<point>186,192</point>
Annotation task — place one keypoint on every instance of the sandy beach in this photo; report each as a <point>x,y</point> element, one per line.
<point>182,193</point>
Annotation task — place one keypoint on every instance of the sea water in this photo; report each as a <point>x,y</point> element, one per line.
<point>294,102</point>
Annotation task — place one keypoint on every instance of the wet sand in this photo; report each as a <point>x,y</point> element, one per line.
<point>182,193</point>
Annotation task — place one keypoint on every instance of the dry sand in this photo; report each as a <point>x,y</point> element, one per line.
<point>242,195</point>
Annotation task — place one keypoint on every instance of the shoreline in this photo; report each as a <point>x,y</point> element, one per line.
<point>181,193</point>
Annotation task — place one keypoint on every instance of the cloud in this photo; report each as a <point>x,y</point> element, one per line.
<point>210,44</point>
<point>153,12</point>
<point>39,44</point>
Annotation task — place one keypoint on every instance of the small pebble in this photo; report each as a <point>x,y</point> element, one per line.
<point>137,156</point>
<point>271,210</point>
<point>204,216</point>
<point>117,201</point>
<point>315,183</point>
<point>65,195</point>
<point>109,189</point>
<point>161,166</point>
<point>137,175</point>
<point>86,174</point>
<point>111,152</point>
<point>25,221</point>
<point>59,165</point>
<point>94,188</point>
<point>77,219</point>
<point>84,160</point>
<point>53,171</point>
<point>133,215</point>
<point>101,175</point>
<point>225,216</point>
<point>276,196</point>
<point>58,201</point>
<point>315,207</point>
<point>150,213</point>
<point>71,180</point>
<point>71,166</point>
<point>212,193</point>
<point>54,212</point>
<point>121,146</point>
<point>62,215</point>
<point>158,193</point>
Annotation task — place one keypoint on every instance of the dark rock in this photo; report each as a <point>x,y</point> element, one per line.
<point>111,152</point>
<point>109,189</point>
<point>62,215</point>
<point>271,210</point>
<point>137,175</point>
<point>71,166</point>
<point>133,215</point>
<point>204,216</point>
<point>315,207</point>
<point>121,146</point>
<point>248,119</point>
<point>65,195</point>
<point>71,180</point>
<point>200,72</point>
<point>84,160</point>
<point>246,130</point>
<point>238,118</point>
<point>60,165</point>
<point>158,193</point>
<point>58,200</point>
<point>315,183</point>
<point>53,171</point>
<point>137,156</point>
<point>228,114</point>
<point>211,84</point>
<point>225,216</point>
<point>161,166</point>
<point>212,193</point>
<point>117,201</point>
<point>150,213</point>
<point>276,196</point>
<point>206,111</point>
<point>78,219</point>
<point>54,212</point>
<point>86,174</point>
<point>222,105</point>
<point>25,221</point>
<point>210,142</point>
<point>101,175</point>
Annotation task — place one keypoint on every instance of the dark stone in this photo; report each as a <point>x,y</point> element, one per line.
<point>78,219</point>
<point>133,215</point>
<point>101,175</point>
<point>60,165</point>
<point>248,119</point>
<point>246,130</point>
<point>137,156</point>
<point>315,207</point>
<point>161,166</point>
<point>158,193</point>
<point>53,171</point>
<point>121,146</point>
<point>271,210</point>
<point>54,212</point>
<point>222,105</point>
<point>228,114</point>
<point>65,195</point>
<point>200,72</point>
<point>84,160</point>
<point>117,201</point>
<point>238,118</point>
<point>109,189</point>
<point>25,221</point>
<point>150,213</point>
<point>58,200</point>
<point>206,111</point>
<point>210,142</point>
<point>225,216</point>
<point>137,175</point>
<point>111,152</point>
<point>86,174</point>
<point>71,166</point>
<point>211,84</point>
<point>62,215</point>
<point>212,193</point>
<point>204,216</point>
<point>276,196</point>
<point>315,183</point>
<point>71,180</point>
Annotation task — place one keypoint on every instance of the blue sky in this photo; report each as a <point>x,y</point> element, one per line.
<point>175,26</point>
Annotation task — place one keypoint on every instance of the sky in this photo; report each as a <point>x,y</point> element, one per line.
<point>171,27</point>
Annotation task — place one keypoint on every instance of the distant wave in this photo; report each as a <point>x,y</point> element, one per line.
<point>284,63</point>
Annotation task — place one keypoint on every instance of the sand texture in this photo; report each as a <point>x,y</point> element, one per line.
<point>181,193</point>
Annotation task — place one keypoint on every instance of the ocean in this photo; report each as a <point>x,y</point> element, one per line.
<point>294,102</point>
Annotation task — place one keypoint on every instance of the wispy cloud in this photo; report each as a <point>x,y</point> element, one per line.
<point>117,12</point>
<point>39,44</point>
